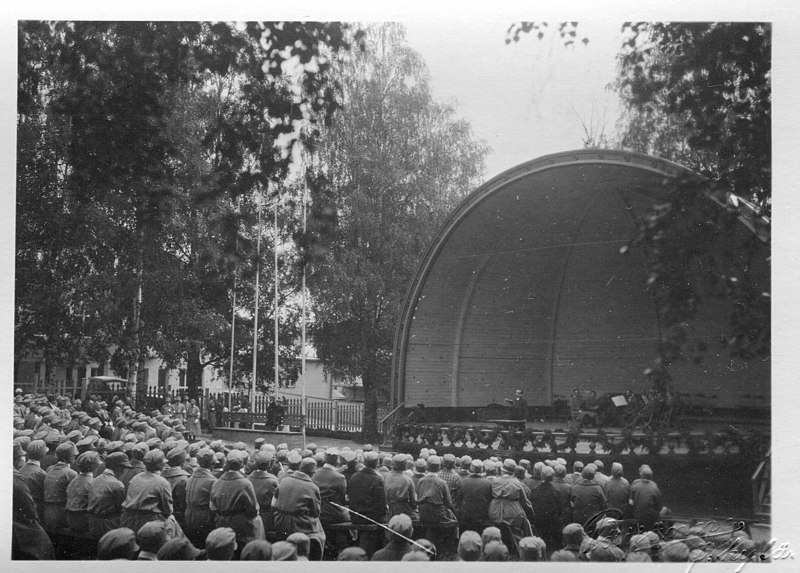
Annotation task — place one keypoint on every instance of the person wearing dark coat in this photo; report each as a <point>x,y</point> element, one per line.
<point>177,477</point>
<point>34,474</point>
<point>332,488</point>
<point>436,511</point>
<point>58,477</point>
<point>645,499</point>
<point>617,490</point>
<point>473,499</point>
<point>297,504</point>
<point>400,531</point>
<point>107,496</point>
<point>199,519</point>
<point>78,492</point>
<point>264,484</point>
<point>28,538</point>
<point>368,497</point>
<point>135,463</point>
<point>546,502</point>
<point>233,500</point>
<point>564,490</point>
<point>588,498</point>
<point>149,495</point>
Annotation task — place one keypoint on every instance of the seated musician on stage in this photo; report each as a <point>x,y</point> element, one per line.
<point>519,407</point>
<point>579,411</point>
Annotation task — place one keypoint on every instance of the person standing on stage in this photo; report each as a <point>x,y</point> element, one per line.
<point>519,407</point>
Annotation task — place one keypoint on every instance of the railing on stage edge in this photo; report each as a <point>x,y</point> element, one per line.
<point>483,437</point>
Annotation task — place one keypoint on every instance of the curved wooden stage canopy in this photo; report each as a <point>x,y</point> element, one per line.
<point>525,287</point>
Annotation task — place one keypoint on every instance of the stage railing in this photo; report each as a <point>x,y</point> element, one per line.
<point>461,439</point>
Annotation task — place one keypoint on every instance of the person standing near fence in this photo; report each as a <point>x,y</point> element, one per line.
<point>192,420</point>
<point>211,413</point>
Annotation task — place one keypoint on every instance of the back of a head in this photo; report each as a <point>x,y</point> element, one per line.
<point>178,549</point>
<point>256,550</point>
<point>563,555</point>
<point>302,542</point>
<point>401,524</point>
<point>429,548</point>
<point>561,470</point>
<point>577,466</point>
<point>118,543</point>
<point>470,546</point>
<point>352,554</point>
<point>531,549</point>
<point>434,463</point>
<point>588,472</point>
<point>616,469</point>
<point>495,551</point>
<point>548,474</point>
<point>371,460</point>
<point>221,544</point>
<point>308,466</point>
<point>490,534</point>
<point>573,534</point>
<point>152,536</point>
<point>638,557</point>
<point>675,551</point>
<point>645,472</point>
<point>284,551</point>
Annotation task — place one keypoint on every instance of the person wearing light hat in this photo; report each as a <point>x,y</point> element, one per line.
<point>436,509</point>
<point>303,544</point>
<point>532,549</point>
<point>199,519</point>
<point>495,551</point>
<point>617,490</point>
<point>78,492</point>
<point>135,463</point>
<point>645,499</point>
<point>587,498</point>
<point>509,506</point>
<point>234,502</point>
<point>398,544</point>
<point>519,407</point>
<point>284,551</point>
<point>573,537</point>
<point>297,505</point>
<point>221,544</point>
<point>149,495</point>
<point>150,538</point>
<point>34,474</point>
<point>350,460</point>
<point>368,498</point>
<point>401,496</point>
<point>119,543</point>
<point>473,499</point>
<point>177,478</point>
<point>470,546</point>
<point>56,480</point>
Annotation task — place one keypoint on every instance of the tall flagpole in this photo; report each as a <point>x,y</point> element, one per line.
<point>303,322</point>
<point>255,316</point>
<point>277,238</point>
<point>233,313</point>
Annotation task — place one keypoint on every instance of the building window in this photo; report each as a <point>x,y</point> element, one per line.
<point>182,377</point>
<point>99,371</point>
<point>162,377</point>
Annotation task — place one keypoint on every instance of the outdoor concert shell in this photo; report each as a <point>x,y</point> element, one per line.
<point>525,286</point>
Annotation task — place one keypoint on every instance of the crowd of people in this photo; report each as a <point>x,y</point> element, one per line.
<point>144,485</point>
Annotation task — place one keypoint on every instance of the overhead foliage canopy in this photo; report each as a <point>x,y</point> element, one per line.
<point>389,168</point>
<point>141,146</point>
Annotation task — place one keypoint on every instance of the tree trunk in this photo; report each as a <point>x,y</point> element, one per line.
<point>370,429</point>
<point>194,374</point>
